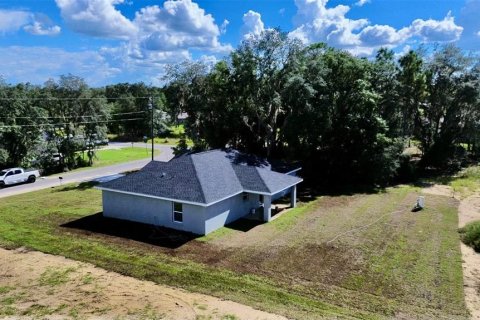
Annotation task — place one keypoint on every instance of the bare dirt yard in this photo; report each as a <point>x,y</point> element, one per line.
<point>38,285</point>
<point>468,211</point>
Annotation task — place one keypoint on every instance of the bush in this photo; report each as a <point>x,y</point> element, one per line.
<point>470,235</point>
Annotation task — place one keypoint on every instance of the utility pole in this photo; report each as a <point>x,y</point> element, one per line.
<point>150,104</point>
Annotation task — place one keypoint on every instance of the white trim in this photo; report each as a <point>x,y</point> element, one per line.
<point>154,197</point>
<point>301,180</point>
<point>294,170</point>
<point>196,203</point>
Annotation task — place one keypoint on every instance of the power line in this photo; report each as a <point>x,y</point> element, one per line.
<point>72,99</point>
<point>70,117</point>
<point>65,123</point>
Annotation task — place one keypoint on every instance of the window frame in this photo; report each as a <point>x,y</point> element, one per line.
<point>177,212</point>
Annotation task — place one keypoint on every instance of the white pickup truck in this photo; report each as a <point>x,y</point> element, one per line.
<point>17,175</point>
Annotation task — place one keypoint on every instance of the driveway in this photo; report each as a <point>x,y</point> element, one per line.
<point>88,174</point>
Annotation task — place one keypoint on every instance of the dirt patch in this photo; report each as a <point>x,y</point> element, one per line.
<point>39,285</point>
<point>439,190</point>
<point>468,211</point>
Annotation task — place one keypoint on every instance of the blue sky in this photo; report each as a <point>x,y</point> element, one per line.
<point>111,41</point>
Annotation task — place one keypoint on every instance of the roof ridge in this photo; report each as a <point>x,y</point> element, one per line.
<point>261,178</point>
<point>205,151</point>
<point>196,177</point>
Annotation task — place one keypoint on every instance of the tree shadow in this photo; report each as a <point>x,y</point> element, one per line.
<point>141,232</point>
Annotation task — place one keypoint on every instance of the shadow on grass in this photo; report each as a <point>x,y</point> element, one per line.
<point>76,187</point>
<point>244,224</point>
<point>158,236</point>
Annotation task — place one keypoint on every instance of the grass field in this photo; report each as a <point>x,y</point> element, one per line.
<point>110,157</point>
<point>361,256</point>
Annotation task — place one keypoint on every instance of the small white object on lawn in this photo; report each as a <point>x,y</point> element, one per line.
<point>420,202</point>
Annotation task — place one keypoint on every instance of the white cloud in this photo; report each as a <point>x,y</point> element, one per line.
<point>382,34</point>
<point>36,24</point>
<point>223,27</point>
<point>13,20</point>
<point>361,3</point>
<point>42,26</point>
<point>478,33</point>
<point>97,18</point>
<point>38,64</point>
<point>178,25</point>
<point>40,30</point>
<point>158,34</point>
<point>315,22</point>
<point>252,24</point>
<point>437,30</point>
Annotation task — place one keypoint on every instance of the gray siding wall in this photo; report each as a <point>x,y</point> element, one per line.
<point>229,210</point>
<point>281,194</point>
<point>152,211</point>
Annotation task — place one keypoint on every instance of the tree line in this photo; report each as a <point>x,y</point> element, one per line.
<point>349,120</point>
<point>59,126</point>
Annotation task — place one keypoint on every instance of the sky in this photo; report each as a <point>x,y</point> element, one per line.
<point>113,41</point>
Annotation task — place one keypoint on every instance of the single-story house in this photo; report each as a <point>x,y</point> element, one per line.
<point>198,192</point>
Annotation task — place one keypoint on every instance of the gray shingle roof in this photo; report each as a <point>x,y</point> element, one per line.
<point>204,177</point>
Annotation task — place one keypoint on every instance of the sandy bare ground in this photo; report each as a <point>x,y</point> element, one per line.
<point>34,284</point>
<point>468,211</point>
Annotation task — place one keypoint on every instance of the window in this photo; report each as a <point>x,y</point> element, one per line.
<point>10,174</point>
<point>18,171</point>
<point>177,212</point>
<point>245,196</point>
<point>260,198</point>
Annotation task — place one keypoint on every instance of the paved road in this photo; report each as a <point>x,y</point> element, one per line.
<point>88,174</point>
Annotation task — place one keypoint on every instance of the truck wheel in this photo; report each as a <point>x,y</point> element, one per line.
<point>2,184</point>
<point>31,179</point>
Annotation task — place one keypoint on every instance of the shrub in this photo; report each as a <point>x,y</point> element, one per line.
<point>470,235</point>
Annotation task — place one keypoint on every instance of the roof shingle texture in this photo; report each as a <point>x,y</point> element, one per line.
<point>204,177</point>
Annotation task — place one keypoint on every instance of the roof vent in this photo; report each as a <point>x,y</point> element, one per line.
<point>165,176</point>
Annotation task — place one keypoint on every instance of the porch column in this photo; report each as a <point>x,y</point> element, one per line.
<point>267,205</point>
<point>293,197</point>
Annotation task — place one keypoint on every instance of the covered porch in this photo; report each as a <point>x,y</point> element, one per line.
<point>270,205</point>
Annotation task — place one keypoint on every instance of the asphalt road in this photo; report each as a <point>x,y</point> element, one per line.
<point>88,174</point>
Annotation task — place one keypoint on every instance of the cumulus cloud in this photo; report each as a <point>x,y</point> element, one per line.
<point>315,22</point>
<point>178,25</point>
<point>36,24</point>
<point>252,24</point>
<point>98,18</point>
<point>42,26</point>
<point>437,31</point>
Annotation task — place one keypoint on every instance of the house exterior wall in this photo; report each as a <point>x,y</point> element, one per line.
<point>229,210</point>
<point>152,211</point>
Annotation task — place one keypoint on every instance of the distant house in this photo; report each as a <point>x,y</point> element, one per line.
<point>198,192</point>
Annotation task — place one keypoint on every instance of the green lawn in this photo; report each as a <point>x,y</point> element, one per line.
<point>361,256</point>
<point>110,157</point>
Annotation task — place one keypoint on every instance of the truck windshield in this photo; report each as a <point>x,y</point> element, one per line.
<point>3,172</point>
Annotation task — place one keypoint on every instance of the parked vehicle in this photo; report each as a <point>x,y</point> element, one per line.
<point>17,175</point>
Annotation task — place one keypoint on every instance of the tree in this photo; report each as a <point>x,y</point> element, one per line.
<point>453,84</point>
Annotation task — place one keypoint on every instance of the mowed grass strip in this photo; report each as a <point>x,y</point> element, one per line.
<point>34,220</point>
<point>110,157</point>
<point>404,264</point>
